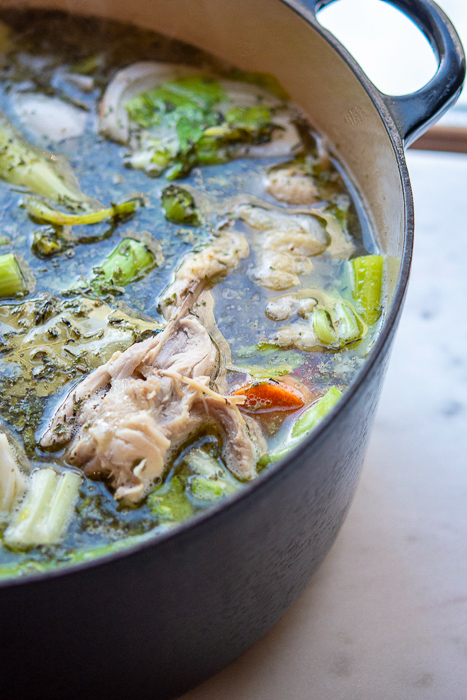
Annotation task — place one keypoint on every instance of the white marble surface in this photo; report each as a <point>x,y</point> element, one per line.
<point>385,618</point>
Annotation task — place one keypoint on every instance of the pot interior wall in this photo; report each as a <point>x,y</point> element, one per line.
<point>269,36</point>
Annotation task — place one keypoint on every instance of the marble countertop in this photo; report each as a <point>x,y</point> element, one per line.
<point>385,618</point>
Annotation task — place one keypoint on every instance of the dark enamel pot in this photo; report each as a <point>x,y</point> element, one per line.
<point>154,621</point>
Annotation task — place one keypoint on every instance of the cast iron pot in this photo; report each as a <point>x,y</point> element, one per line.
<point>156,620</point>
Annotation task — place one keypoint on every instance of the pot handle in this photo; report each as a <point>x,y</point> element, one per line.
<point>416,112</point>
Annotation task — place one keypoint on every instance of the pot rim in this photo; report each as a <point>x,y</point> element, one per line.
<point>381,345</point>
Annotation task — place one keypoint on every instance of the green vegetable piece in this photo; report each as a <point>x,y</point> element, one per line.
<point>302,426</point>
<point>191,96</point>
<point>313,415</point>
<point>323,328</point>
<point>39,171</point>
<point>125,264</point>
<point>12,479</point>
<point>46,244</point>
<point>179,206</point>
<point>206,489</point>
<point>348,325</point>
<point>256,121</point>
<point>204,91</point>
<point>368,283</point>
<point>12,278</point>
<point>87,66</point>
<point>46,511</point>
<point>39,210</point>
<point>263,80</point>
<point>169,503</point>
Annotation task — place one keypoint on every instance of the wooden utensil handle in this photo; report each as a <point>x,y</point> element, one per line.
<point>443,138</point>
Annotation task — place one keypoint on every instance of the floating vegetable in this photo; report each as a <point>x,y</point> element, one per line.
<point>169,503</point>
<point>126,263</point>
<point>39,210</point>
<point>12,480</point>
<point>46,244</point>
<point>304,424</point>
<point>329,322</point>
<point>179,205</point>
<point>38,171</point>
<point>368,283</point>
<point>175,117</point>
<point>13,279</point>
<point>315,414</point>
<point>46,511</point>
<point>270,395</point>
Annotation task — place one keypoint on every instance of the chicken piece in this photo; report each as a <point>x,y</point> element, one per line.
<point>287,243</point>
<point>211,264</point>
<point>128,418</point>
<point>292,186</point>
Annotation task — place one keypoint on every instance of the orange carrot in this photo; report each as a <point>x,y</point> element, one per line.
<point>270,395</point>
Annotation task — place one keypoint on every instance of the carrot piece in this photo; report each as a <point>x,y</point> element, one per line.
<point>270,395</point>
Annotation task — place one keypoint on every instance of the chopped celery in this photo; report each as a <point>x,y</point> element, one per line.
<point>179,205</point>
<point>348,325</point>
<point>169,502</point>
<point>323,328</point>
<point>40,210</point>
<point>313,415</point>
<point>259,372</point>
<point>45,243</point>
<point>46,511</point>
<point>368,283</point>
<point>125,264</point>
<point>40,172</point>
<point>206,489</point>
<point>302,426</point>
<point>12,278</point>
<point>12,479</point>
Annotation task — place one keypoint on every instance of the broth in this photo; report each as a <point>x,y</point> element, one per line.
<point>227,205</point>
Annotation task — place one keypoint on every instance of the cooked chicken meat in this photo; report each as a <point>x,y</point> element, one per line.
<point>292,186</point>
<point>211,264</point>
<point>129,417</point>
<point>285,242</point>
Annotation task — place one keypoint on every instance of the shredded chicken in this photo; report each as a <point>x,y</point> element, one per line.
<point>285,246</point>
<point>292,186</point>
<point>128,418</point>
<point>211,264</point>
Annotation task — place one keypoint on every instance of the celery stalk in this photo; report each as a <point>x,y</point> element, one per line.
<point>313,415</point>
<point>38,171</point>
<point>179,206</point>
<point>323,328</point>
<point>124,264</point>
<point>46,511</point>
<point>368,283</point>
<point>12,280</point>
<point>304,424</point>
<point>349,327</point>
<point>12,479</point>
